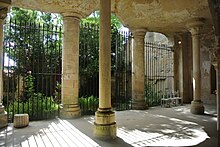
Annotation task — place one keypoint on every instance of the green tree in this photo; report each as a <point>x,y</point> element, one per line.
<point>33,40</point>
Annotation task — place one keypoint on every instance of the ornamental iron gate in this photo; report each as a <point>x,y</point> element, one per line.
<point>32,69</point>
<point>89,72</point>
<point>159,76</point>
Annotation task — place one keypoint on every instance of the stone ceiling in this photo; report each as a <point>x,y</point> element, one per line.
<point>165,16</point>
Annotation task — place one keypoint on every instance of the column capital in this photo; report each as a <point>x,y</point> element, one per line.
<point>140,32</point>
<point>194,25</point>
<point>72,14</point>
<point>217,47</point>
<point>3,12</point>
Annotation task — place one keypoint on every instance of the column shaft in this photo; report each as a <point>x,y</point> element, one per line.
<point>1,59</point>
<point>105,125</point>
<point>196,68</point>
<point>70,68</point>
<point>218,80</point>
<point>105,55</point>
<point>138,97</point>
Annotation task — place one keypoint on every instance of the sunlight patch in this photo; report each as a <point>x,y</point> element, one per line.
<point>189,136</point>
<point>60,134</point>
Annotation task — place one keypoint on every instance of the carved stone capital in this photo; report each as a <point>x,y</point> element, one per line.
<point>3,12</point>
<point>194,25</point>
<point>217,48</point>
<point>73,14</point>
<point>139,33</point>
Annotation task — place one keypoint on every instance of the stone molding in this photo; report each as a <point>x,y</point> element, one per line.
<point>69,7</point>
<point>3,13</point>
<point>194,25</point>
<point>140,33</point>
<point>73,14</point>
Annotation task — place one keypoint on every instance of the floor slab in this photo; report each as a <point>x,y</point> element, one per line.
<point>157,126</point>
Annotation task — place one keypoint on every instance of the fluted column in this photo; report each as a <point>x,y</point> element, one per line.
<point>138,97</point>
<point>3,113</point>
<point>105,125</point>
<point>194,28</point>
<point>70,68</point>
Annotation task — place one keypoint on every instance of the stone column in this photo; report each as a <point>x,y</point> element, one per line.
<point>194,27</point>
<point>105,125</point>
<point>178,64</point>
<point>3,114</point>
<point>218,79</point>
<point>138,98</point>
<point>70,68</point>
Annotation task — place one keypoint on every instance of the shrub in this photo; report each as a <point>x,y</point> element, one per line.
<point>151,96</point>
<point>89,105</point>
<point>37,107</point>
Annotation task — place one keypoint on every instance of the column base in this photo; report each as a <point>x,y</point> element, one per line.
<point>69,111</point>
<point>197,107</point>
<point>139,105</point>
<point>3,117</point>
<point>105,126</point>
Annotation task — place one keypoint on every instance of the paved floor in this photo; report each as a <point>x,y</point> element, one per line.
<point>157,126</point>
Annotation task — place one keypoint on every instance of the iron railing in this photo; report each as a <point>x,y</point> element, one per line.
<point>32,69</point>
<point>159,76</point>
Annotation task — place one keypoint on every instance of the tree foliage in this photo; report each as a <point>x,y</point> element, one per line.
<point>33,40</point>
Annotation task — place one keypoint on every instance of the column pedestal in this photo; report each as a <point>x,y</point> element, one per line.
<point>3,117</point>
<point>105,125</point>
<point>70,111</point>
<point>197,107</point>
<point>139,104</point>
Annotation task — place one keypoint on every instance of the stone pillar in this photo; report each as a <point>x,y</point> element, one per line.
<point>70,68</point>
<point>105,125</point>
<point>138,98</point>
<point>183,66</point>
<point>3,113</point>
<point>218,80</point>
<point>194,27</point>
<point>178,64</point>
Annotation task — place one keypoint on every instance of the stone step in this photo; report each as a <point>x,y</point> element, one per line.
<point>21,120</point>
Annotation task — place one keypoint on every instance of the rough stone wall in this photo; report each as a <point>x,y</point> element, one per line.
<point>207,44</point>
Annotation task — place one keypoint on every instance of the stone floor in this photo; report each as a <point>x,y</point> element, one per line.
<point>157,126</point>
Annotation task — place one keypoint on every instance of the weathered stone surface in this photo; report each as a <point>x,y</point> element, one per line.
<point>197,107</point>
<point>69,111</point>
<point>77,7</point>
<point>3,118</point>
<point>105,125</point>
<point>21,120</point>
<point>165,16</point>
<point>105,132</point>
